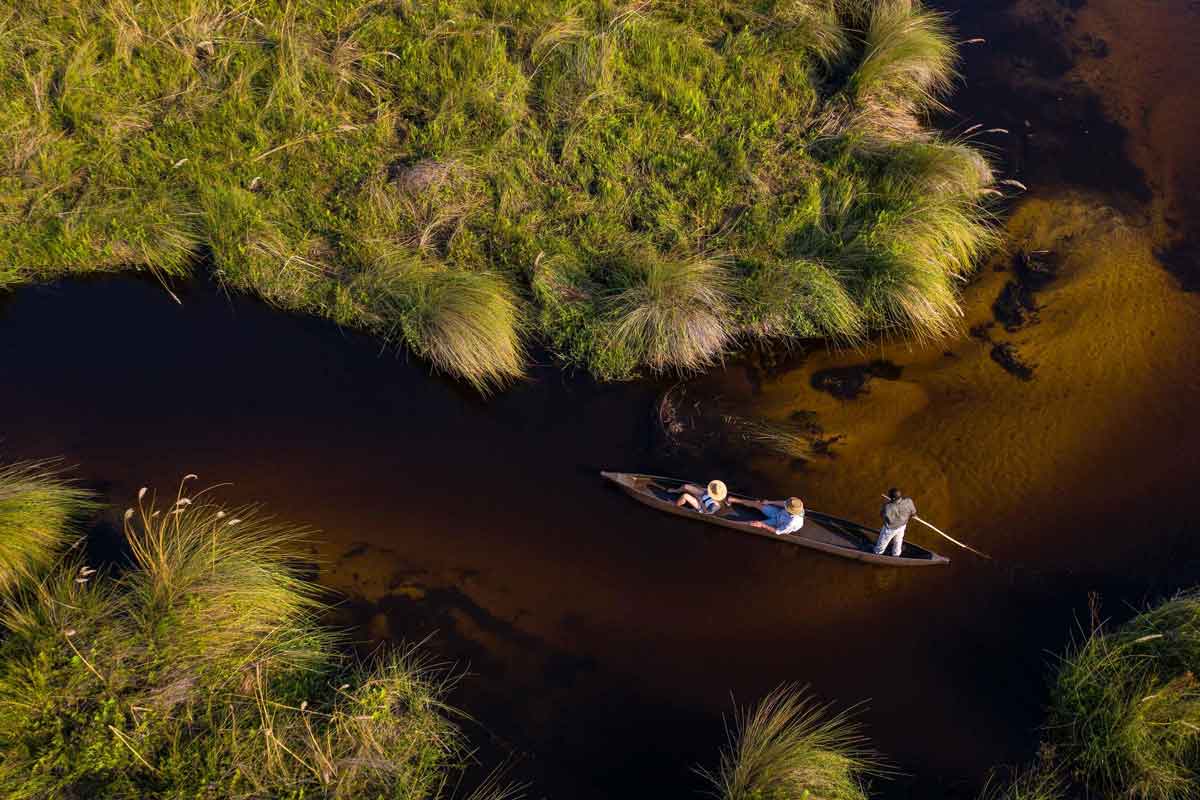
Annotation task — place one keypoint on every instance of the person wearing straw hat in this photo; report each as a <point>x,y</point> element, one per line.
<point>705,500</point>
<point>896,513</point>
<point>782,518</point>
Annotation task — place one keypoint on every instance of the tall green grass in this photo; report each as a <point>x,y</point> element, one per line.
<point>200,670</point>
<point>640,187</point>
<point>40,512</point>
<point>1125,710</point>
<point>789,748</point>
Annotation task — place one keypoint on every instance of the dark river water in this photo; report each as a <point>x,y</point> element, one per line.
<point>602,641</point>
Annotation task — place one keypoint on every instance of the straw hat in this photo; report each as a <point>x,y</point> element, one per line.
<point>794,505</point>
<point>717,490</point>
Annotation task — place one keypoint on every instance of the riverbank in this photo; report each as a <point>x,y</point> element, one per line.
<point>637,189</point>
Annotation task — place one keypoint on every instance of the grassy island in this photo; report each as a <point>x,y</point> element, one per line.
<point>637,186</point>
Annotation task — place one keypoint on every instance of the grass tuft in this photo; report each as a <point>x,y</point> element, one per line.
<point>1125,705</point>
<point>214,589</point>
<point>672,315</point>
<point>908,63</point>
<point>789,748</point>
<point>466,323</point>
<point>40,512</point>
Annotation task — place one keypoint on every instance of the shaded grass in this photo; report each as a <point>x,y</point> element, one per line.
<point>1040,782</point>
<point>789,748</point>
<point>641,187</point>
<point>200,671</point>
<point>39,514</point>
<point>1125,705</point>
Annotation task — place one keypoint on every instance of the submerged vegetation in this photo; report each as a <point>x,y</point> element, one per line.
<point>636,186</point>
<point>198,671</point>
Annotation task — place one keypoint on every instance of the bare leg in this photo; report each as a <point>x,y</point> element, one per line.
<point>686,499</point>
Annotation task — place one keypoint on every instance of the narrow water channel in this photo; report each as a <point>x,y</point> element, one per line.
<point>603,641</point>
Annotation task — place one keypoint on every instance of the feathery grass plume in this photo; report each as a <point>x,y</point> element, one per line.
<point>909,58</point>
<point>178,678</point>
<point>466,323</point>
<point>789,748</point>
<point>40,512</point>
<point>673,314</point>
<point>1040,782</point>
<point>950,170</point>
<point>1125,705</point>
<point>908,266</point>
<point>214,593</point>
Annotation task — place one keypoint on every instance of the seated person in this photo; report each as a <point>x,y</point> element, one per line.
<point>782,518</point>
<point>706,501</point>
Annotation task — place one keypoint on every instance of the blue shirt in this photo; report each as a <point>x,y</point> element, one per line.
<point>783,522</point>
<point>708,504</point>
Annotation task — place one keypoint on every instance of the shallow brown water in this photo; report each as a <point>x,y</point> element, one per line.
<point>606,639</point>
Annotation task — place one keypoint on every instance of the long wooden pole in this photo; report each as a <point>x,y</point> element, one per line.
<point>941,532</point>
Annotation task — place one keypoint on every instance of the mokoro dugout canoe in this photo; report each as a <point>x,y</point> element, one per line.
<point>822,532</point>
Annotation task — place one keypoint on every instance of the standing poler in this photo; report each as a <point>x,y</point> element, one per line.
<point>896,513</point>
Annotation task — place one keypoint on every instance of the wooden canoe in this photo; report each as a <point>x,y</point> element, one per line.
<point>822,532</point>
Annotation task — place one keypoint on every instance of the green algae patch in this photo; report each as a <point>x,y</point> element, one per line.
<point>637,187</point>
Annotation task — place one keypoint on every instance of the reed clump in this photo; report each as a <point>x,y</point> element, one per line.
<point>789,748</point>
<point>640,187</point>
<point>39,514</point>
<point>200,670</point>
<point>1125,705</point>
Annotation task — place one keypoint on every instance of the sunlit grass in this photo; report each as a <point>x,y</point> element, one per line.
<point>200,670</point>
<point>789,748</point>
<point>214,591</point>
<point>1125,705</point>
<point>40,512</point>
<point>673,315</point>
<point>640,187</point>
